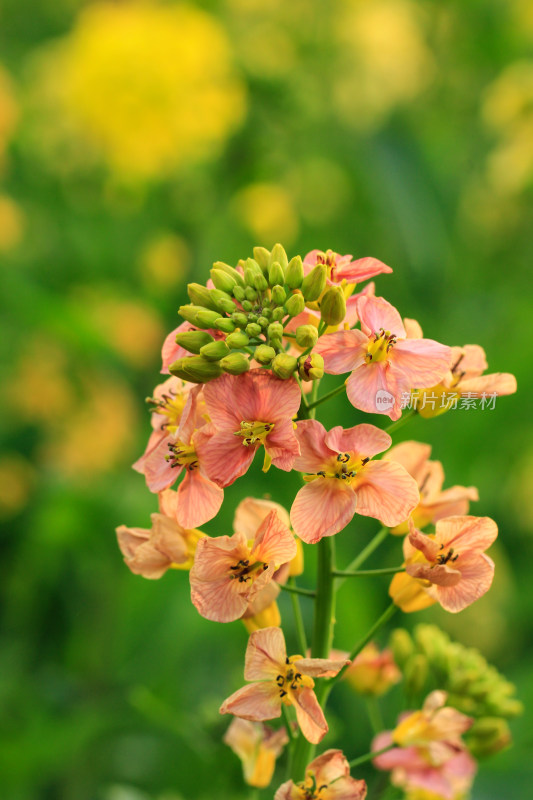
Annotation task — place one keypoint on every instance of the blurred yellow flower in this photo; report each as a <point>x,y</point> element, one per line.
<point>8,112</point>
<point>508,112</point>
<point>267,211</point>
<point>164,261</point>
<point>39,391</point>
<point>16,479</point>
<point>387,62</point>
<point>11,223</point>
<point>143,86</point>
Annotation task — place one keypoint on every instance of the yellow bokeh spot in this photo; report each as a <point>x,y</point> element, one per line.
<point>267,211</point>
<point>16,480</point>
<point>165,261</point>
<point>144,87</point>
<point>11,224</point>
<point>8,111</point>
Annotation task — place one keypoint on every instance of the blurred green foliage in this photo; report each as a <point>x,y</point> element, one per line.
<point>394,128</point>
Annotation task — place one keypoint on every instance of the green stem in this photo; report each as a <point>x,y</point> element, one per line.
<point>298,619</point>
<point>287,722</point>
<point>373,544</point>
<point>297,590</point>
<point>387,614</point>
<point>322,636</point>
<point>369,756</point>
<point>374,714</point>
<point>403,419</point>
<point>327,396</point>
<point>361,573</point>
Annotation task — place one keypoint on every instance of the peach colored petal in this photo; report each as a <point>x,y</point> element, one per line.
<point>214,556</point>
<point>171,350</point>
<point>284,792</point>
<point>222,600</point>
<point>314,452</point>
<point>199,499</point>
<point>265,655</point>
<point>477,572</point>
<point>410,594</point>
<point>426,544</point>
<point>168,503</point>
<point>431,481</point>
<point>342,351</point>
<point>223,456</point>
<point>322,508</point>
<point>219,397</point>
<point>424,362</point>
<point>320,667</point>
<point>274,543</point>
<point>141,557</point>
<point>158,472</point>
<point>168,537</point>
<point>156,437</point>
<point>251,512</point>
<point>255,395</point>
<point>256,702</point>
<point>364,440</point>
<point>439,574</point>
<point>189,418</point>
<point>411,455</point>
<point>282,445</point>
<point>469,360</point>
<point>362,269</point>
<point>466,533</point>
<point>351,317</point>
<point>386,491</point>
<point>500,383</point>
<point>262,600</point>
<point>376,313</point>
<point>452,502</point>
<point>412,328</point>
<point>369,386</point>
<point>310,716</point>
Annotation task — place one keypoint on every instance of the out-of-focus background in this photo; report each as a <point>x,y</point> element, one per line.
<point>139,142</point>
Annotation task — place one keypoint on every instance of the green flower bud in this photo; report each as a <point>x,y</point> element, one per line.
<point>252,317</point>
<point>262,257</point>
<point>220,265</point>
<point>415,673</point>
<point>306,336</point>
<point>333,306</point>
<point>222,280</point>
<point>263,321</point>
<point>250,293</point>
<point>253,329</point>
<point>402,646</point>
<point>311,367</point>
<point>295,304</point>
<point>251,269</point>
<point>278,313</point>
<point>264,354</point>
<point>284,365</point>
<point>240,319</point>
<point>225,325</point>
<point>314,284</point>
<point>193,340</point>
<point>294,273</point>
<point>235,364</point>
<point>275,329</point>
<point>195,369</point>
<point>237,340</point>
<point>201,296</point>
<point>207,319</point>
<point>267,312</point>
<point>238,293</point>
<point>260,283</point>
<point>279,295</point>
<point>247,306</point>
<point>190,312</point>
<point>275,275</point>
<point>277,343</point>
<point>278,254</point>
<point>214,351</point>
<point>487,736</point>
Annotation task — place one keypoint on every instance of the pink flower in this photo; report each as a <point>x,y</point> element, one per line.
<point>451,563</point>
<point>198,498</point>
<point>431,755</point>
<point>326,778</point>
<point>342,268</point>
<point>342,480</point>
<point>250,513</point>
<point>257,746</point>
<point>166,544</point>
<point>384,363</point>
<point>280,679</point>
<point>373,672</point>
<point>248,411</point>
<point>434,503</point>
<point>229,571</point>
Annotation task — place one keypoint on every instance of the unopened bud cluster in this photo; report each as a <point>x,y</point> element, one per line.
<point>243,317</point>
<point>476,688</point>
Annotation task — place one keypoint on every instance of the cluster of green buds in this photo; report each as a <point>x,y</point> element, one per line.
<point>244,318</point>
<point>429,659</point>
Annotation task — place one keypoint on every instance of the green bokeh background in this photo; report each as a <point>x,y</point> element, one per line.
<point>109,683</point>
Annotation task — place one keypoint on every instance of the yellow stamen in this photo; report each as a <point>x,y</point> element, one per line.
<point>344,467</point>
<point>183,455</point>
<point>378,349</point>
<point>290,681</point>
<point>254,432</point>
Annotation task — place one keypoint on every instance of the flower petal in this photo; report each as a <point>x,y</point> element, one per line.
<point>282,445</point>
<point>314,452</point>
<point>310,716</point>
<point>466,533</point>
<point>477,572</point>
<point>423,362</point>
<point>265,655</point>
<point>342,351</point>
<point>223,456</point>
<point>364,440</point>
<point>499,383</point>
<point>256,702</point>
<point>322,508</point>
<point>224,600</point>
<point>362,269</point>
<point>387,492</point>
<point>411,455</point>
<point>274,543</point>
<point>376,313</point>
<point>376,388</point>
<point>320,667</point>
<point>199,499</point>
<point>251,512</point>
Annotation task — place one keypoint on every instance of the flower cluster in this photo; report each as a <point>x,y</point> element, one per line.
<point>244,370</point>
